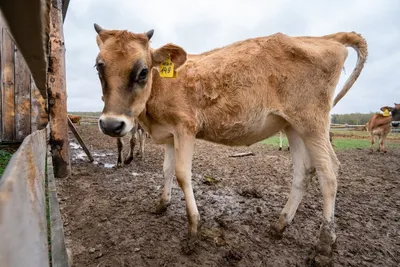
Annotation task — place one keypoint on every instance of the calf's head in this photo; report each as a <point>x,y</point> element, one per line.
<point>396,112</point>
<point>124,64</point>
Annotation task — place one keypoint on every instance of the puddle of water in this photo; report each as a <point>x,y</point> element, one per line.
<point>108,165</point>
<point>98,154</point>
<point>74,145</point>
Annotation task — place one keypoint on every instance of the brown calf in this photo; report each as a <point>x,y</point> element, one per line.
<point>236,95</point>
<point>380,125</point>
<point>75,119</point>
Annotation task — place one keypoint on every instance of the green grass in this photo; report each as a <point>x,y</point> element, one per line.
<point>358,141</point>
<point>274,141</point>
<point>5,157</point>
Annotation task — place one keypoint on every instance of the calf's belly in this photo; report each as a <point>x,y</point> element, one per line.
<point>244,132</point>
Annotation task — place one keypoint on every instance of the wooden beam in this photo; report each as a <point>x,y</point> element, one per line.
<point>7,79</point>
<point>23,225</point>
<point>57,95</point>
<point>28,22</point>
<point>59,253</point>
<point>78,137</point>
<point>22,98</point>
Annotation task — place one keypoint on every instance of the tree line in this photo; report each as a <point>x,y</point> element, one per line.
<point>351,118</point>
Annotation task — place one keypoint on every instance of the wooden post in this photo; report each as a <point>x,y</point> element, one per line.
<point>57,94</point>
<point>22,98</point>
<point>7,79</point>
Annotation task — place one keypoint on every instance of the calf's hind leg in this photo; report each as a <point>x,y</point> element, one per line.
<point>132,142</point>
<point>120,144</point>
<point>327,167</point>
<point>168,171</point>
<point>302,170</point>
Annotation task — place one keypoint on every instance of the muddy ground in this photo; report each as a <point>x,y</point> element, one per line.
<point>109,220</point>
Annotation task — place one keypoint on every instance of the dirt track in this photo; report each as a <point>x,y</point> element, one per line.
<point>109,220</point>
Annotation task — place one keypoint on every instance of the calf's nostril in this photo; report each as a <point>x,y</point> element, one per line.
<point>119,127</point>
<point>101,124</point>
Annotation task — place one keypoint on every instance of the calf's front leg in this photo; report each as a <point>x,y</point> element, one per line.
<point>184,145</point>
<point>168,170</point>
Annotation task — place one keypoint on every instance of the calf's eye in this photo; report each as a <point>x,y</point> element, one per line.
<point>143,74</point>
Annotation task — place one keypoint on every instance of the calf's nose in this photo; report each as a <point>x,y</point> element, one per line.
<point>112,127</point>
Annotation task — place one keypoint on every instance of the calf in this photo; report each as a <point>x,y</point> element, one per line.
<point>75,119</point>
<point>380,125</point>
<point>236,95</point>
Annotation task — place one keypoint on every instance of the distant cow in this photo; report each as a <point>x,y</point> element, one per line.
<point>380,125</point>
<point>75,119</point>
<point>236,95</point>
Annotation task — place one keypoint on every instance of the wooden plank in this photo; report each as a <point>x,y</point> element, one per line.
<point>22,98</point>
<point>29,28</point>
<point>78,137</point>
<point>23,224</point>
<point>39,115</point>
<point>1,84</point>
<point>59,253</point>
<point>7,51</point>
<point>57,94</point>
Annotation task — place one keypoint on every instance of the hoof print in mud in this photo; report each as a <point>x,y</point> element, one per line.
<point>318,260</point>
<point>232,257</point>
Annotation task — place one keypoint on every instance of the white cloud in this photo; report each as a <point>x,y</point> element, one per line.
<point>204,25</point>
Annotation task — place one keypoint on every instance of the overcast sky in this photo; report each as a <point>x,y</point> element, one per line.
<point>199,26</point>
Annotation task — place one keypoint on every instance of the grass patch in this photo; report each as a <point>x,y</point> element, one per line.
<point>274,141</point>
<point>351,143</point>
<point>346,140</point>
<point>5,157</point>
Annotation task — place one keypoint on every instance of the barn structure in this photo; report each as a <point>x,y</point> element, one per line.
<point>33,115</point>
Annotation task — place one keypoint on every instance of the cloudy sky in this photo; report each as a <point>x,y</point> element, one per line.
<point>199,26</point>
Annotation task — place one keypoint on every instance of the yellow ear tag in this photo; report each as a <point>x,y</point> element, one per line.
<point>386,113</point>
<point>167,69</point>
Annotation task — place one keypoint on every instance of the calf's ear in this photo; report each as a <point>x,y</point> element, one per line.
<point>386,107</point>
<point>177,54</point>
<point>102,35</point>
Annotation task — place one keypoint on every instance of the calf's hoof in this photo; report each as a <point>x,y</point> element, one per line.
<point>318,260</point>
<point>323,254</point>
<point>119,165</point>
<point>162,207</point>
<point>190,244</point>
<point>276,230</point>
<point>280,148</point>
<point>128,160</point>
